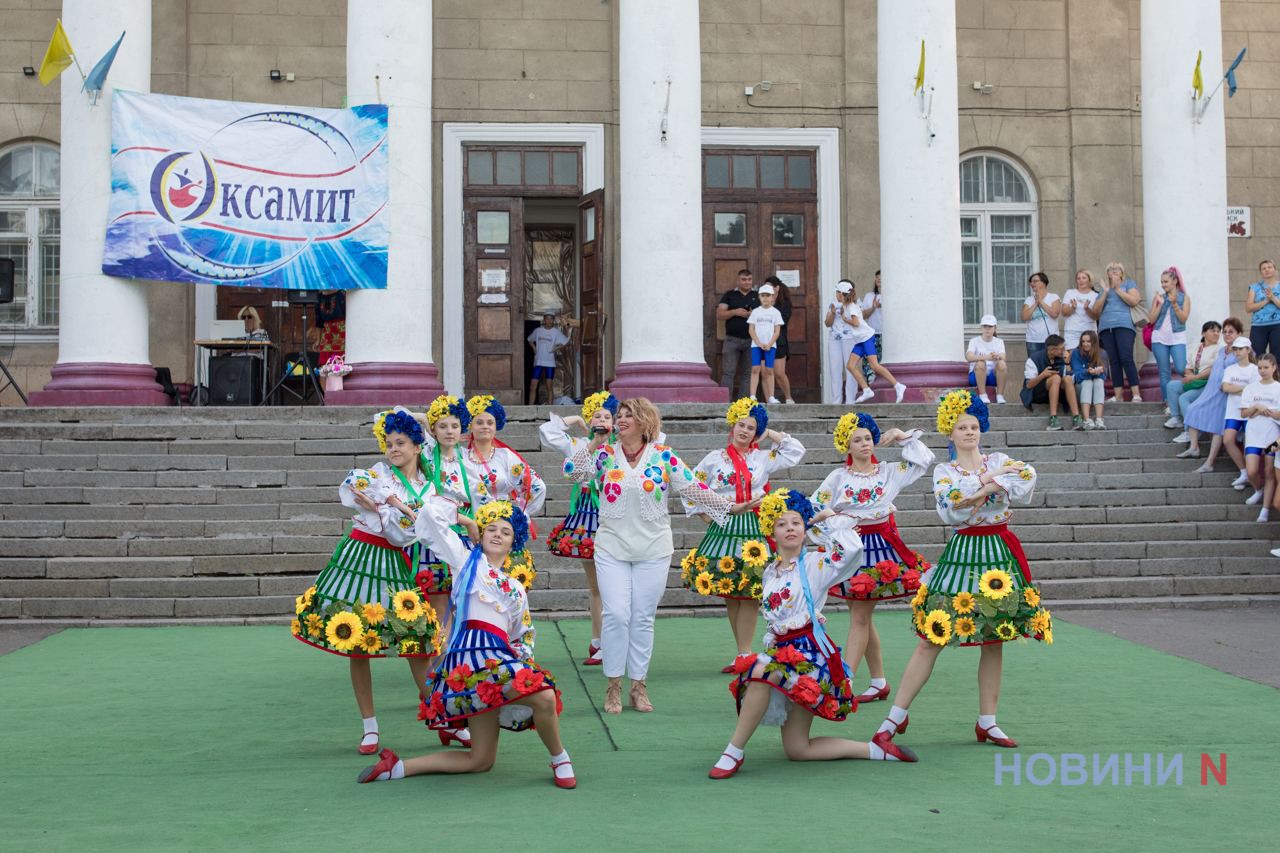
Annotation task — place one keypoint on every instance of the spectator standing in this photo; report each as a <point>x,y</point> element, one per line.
<point>1207,413</point>
<point>1116,329</point>
<point>783,304</point>
<point>1080,309</point>
<point>546,341</point>
<point>764,325</point>
<point>1089,371</point>
<point>1169,311</point>
<point>841,387</point>
<point>1263,302</point>
<point>1044,381</point>
<point>1184,391</point>
<point>733,310</point>
<point>1040,312</point>
<point>987,363</point>
<point>872,313</point>
<point>1260,406</point>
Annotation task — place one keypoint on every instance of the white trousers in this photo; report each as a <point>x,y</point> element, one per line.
<point>629,593</point>
<point>839,379</point>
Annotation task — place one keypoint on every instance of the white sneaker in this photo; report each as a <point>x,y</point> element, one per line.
<point>1239,482</point>
<point>1253,499</point>
<point>1183,437</point>
<point>1112,399</point>
<point>866,394</point>
<point>986,399</point>
<point>790,402</point>
<point>1000,401</point>
<point>1190,453</point>
<point>900,390</point>
<point>1098,423</point>
<point>1089,424</point>
<point>1275,552</point>
<point>1206,468</point>
<point>1174,422</point>
<point>773,401</point>
<point>1264,514</point>
<point>1168,411</point>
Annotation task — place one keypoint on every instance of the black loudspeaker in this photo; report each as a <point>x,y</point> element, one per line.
<point>234,381</point>
<point>304,297</point>
<point>6,281</point>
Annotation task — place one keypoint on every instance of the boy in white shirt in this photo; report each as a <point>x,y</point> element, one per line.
<point>764,324</point>
<point>545,340</point>
<point>987,360</point>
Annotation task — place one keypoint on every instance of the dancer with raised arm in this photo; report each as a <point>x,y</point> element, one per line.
<point>864,488</point>
<point>980,593</point>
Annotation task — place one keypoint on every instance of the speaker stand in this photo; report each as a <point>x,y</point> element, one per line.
<point>11,382</point>
<point>309,380</point>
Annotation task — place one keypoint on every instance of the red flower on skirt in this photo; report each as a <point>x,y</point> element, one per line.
<point>806,691</point>
<point>743,663</point>
<point>829,707</point>
<point>565,548</point>
<point>788,655</point>
<point>528,680</point>
<point>889,571</point>
<point>911,580</point>
<point>559,704</point>
<point>490,693</point>
<point>457,679</point>
<point>425,580</point>
<point>587,548</point>
<point>432,711</point>
<point>861,585</point>
<point>492,664</point>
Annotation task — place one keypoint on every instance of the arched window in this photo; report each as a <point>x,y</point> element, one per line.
<point>1000,236</point>
<point>29,233</point>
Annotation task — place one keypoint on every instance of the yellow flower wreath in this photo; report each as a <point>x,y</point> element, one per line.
<point>953,405</point>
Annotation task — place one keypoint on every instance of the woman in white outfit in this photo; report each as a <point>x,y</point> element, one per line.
<point>634,475</point>
<point>841,387</point>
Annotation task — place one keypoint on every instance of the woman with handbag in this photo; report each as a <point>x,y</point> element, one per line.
<point>1120,315</point>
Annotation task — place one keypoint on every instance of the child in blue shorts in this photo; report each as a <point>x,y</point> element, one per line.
<point>764,324</point>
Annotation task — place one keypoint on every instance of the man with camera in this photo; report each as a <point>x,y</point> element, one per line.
<point>1046,381</point>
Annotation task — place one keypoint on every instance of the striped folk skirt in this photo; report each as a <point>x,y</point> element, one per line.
<point>803,677</point>
<point>575,536</point>
<point>349,608</point>
<point>877,582</point>
<point>482,673</point>
<point>980,592</point>
<point>716,566</point>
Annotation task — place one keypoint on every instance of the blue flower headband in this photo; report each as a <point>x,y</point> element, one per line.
<point>401,422</point>
<point>448,405</point>
<point>748,408</point>
<point>488,403</point>
<point>784,500</point>
<point>494,510</point>
<point>851,421</point>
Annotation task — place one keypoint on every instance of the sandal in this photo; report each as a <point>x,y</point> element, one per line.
<point>613,699</point>
<point>640,697</point>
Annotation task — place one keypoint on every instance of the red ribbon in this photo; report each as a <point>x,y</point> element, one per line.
<point>741,474</point>
<point>888,530</point>
<point>1006,536</point>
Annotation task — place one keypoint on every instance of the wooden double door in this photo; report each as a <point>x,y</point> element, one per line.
<point>778,238</point>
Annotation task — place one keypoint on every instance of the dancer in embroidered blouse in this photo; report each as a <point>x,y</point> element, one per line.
<point>575,536</point>
<point>498,472</point>
<point>980,593</point>
<point>800,674</point>
<point>446,420</point>
<point>864,489</point>
<point>369,577</point>
<point>633,543</point>
<point>489,666</point>
<point>729,559</point>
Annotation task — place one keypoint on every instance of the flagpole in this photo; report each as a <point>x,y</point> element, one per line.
<point>1205,105</point>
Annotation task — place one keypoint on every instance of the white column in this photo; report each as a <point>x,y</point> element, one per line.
<point>102,320</point>
<point>919,186</point>
<point>1184,162</point>
<point>389,332</point>
<point>660,201</point>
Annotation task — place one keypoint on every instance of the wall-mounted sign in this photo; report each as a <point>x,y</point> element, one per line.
<point>1239,222</point>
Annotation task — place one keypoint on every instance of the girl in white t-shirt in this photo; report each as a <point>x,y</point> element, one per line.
<point>1234,380</point>
<point>1078,309</point>
<point>986,358</point>
<point>1260,404</point>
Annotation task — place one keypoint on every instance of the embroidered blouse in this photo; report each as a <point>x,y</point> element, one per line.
<point>501,478</point>
<point>869,497</point>
<point>496,597</point>
<point>555,434</point>
<point>634,524</point>
<point>782,597</point>
<point>452,484</point>
<point>952,483</point>
<point>716,468</point>
<point>378,484</point>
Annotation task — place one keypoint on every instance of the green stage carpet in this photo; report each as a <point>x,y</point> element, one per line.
<point>244,739</point>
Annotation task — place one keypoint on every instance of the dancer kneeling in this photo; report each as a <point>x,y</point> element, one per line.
<point>800,674</point>
<point>980,593</point>
<point>489,664</point>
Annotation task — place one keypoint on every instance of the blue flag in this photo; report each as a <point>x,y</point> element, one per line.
<point>1231,73</point>
<point>98,76</point>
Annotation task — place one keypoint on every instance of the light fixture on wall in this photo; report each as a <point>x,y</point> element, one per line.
<point>28,71</point>
<point>763,86</point>
<point>275,75</point>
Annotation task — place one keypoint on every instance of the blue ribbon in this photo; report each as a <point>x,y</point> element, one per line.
<point>465,582</point>
<point>820,637</point>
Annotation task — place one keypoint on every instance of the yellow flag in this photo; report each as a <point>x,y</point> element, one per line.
<point>58,57</point>
<point>1197,82</point>
<point>920,70</point>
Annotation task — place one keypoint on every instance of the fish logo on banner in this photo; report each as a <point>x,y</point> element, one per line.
<point>217,192</point>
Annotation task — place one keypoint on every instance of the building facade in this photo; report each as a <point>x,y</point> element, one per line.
<point>525,118</point>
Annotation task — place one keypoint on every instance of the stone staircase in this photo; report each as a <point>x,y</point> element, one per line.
<point>180,515</point>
